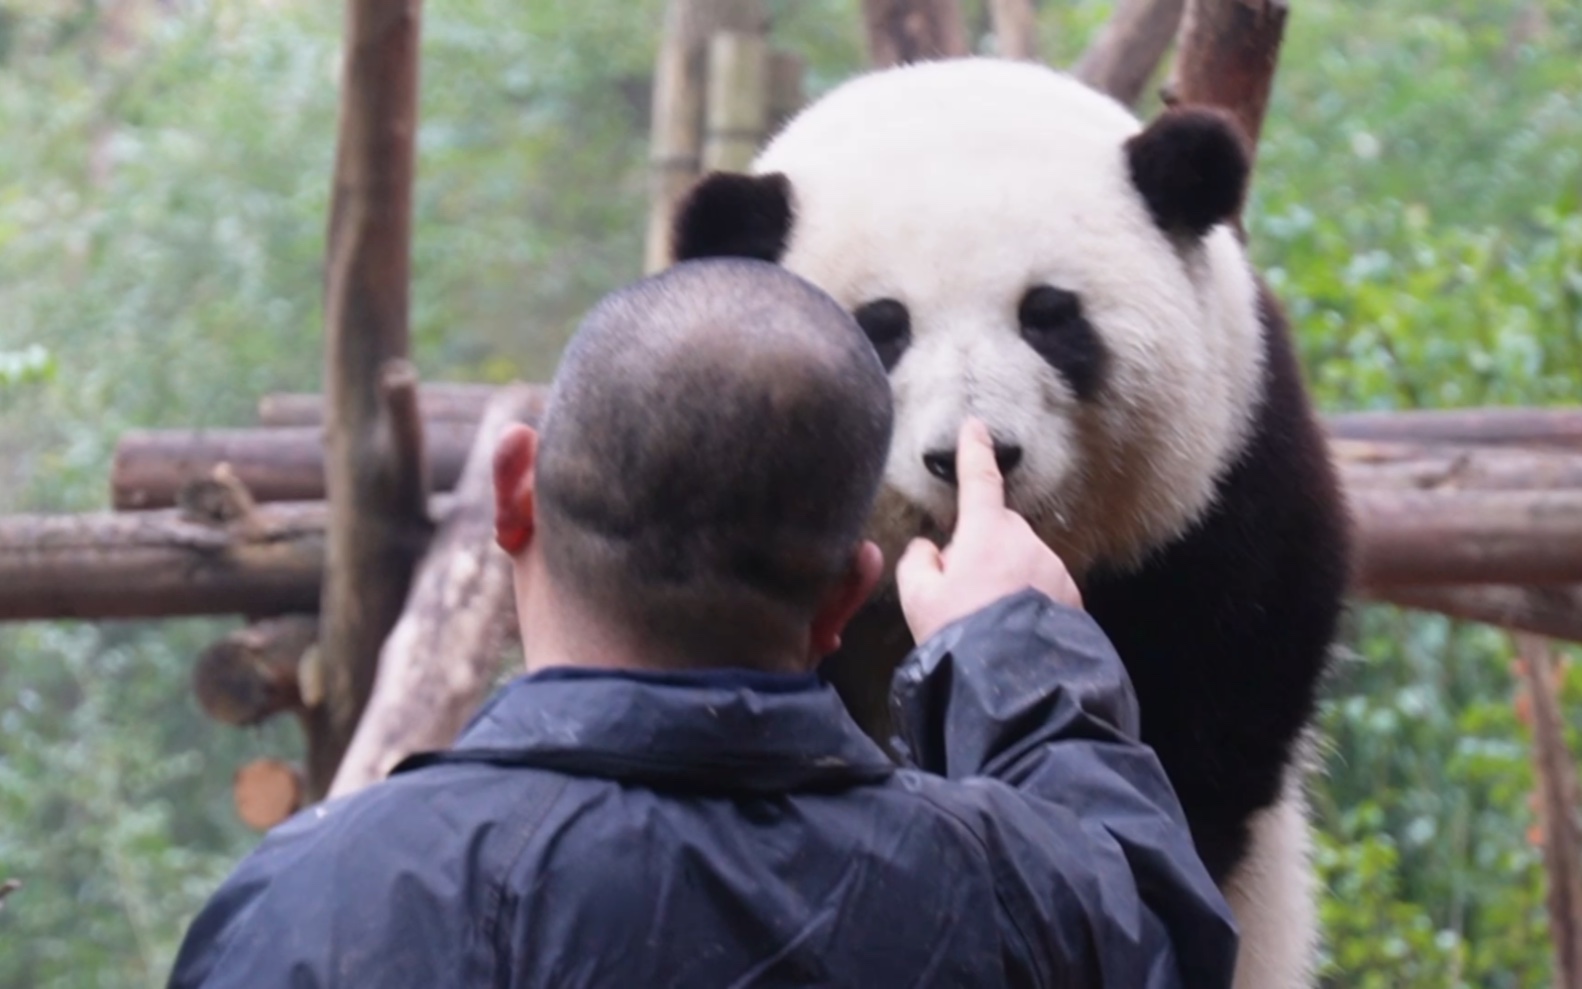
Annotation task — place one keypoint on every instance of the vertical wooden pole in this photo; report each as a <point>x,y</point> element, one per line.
<point>736,111</point>
<point>902,31</point>
<point>373,437</point>
<point>677,136</point>
<point>1557,807</point>
<point>1015,28</point>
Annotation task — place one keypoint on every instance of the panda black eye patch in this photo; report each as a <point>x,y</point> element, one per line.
<point>888,326</point>
<point>1053,325</point>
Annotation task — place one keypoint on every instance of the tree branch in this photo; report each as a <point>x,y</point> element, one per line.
<point>1555,612</point>
<point>1226,54</point>
<point>904,31</point>
<point>1128,50</point>
<point>1015,29</point>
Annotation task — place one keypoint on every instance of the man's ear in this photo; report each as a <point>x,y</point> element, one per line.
<point>867,566</point>
<point>1191,167</point>
<point>515,510</point>
<point>727,215</point>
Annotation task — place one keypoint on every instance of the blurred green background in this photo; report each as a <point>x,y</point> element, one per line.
<point>163,184</point>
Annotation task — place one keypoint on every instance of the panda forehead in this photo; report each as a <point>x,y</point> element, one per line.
<point>891,174</point>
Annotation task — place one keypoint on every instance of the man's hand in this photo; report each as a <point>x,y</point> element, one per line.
<point>992,554</point>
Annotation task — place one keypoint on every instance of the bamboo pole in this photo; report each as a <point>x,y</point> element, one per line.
<point>676,140</point>
<point>1015,29</point>
<point>736,110</point>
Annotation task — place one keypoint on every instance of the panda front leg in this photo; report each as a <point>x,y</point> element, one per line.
<point>1273,895</point>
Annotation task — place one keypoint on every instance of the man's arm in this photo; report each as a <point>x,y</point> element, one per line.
<point>1018,695</point>
<point>1098,880</point>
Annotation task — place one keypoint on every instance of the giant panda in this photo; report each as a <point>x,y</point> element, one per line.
<point>1021,248</point>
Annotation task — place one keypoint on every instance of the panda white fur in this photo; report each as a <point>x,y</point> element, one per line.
<point>1020,248</point>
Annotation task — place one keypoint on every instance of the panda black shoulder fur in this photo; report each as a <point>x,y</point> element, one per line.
<point>1020,248</point>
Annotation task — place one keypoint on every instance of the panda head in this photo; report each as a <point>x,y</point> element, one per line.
<point>1019,248</point>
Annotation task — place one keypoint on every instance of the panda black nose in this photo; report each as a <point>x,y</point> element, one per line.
<point>942,463</point>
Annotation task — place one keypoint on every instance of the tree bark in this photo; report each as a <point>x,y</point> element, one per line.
<point>441,402</point>
<point>376,485</point>
<point>445,652</point>
<point>1496,537</point>
<point>250,675</point>
<point>1128,50</point>
<point>1555,612</point>
<point>160,564</point>
<point>679,79</point>
<point>1226,54</point>
<point>904,31</point>
<point>1418,467</point>
<point>1015,29</point>
<point>1557,809</point>
<point>1559,428</point>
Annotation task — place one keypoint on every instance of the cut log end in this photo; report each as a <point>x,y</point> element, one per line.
<point>266,793</point>
<point>251,675</point>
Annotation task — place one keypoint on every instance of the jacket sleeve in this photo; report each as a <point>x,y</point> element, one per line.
<point>1027,706</point>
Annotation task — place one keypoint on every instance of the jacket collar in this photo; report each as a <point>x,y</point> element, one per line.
<point>717,731</point>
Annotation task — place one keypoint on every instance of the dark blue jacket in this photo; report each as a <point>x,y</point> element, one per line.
<point>702,830</point>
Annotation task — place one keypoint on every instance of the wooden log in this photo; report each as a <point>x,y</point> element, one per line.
<point>444,653</point>
<point>267,792</point>
<point>1555,612</point>
<point>1015,29</point>
<point>1556,773</point>
<point>736,107</point>
<point>676,141</point>
<point>1555,428</point>
<point>440,402</point>
<point>1454,467</point>
<point>1226,53</point>
<point>1496,537</point>
<point>903,31</point>
<point>160,564</point>
<point>1129,48</point>
<point>251,675</point>
<point>152,467</point>
<point>376,484</point>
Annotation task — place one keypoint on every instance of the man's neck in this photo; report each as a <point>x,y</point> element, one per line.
<point>558,631</point>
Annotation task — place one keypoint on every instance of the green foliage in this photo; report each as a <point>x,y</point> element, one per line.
<point>162,217</point>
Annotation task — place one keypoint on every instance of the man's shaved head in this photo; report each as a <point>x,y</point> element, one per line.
<point>711,449</point>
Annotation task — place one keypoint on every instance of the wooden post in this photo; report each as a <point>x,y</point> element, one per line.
<point>1557,808</point>
<point>677,136</point>
<point>736,111</point>
<point>902,31</point>
<point>1226,54</point>
<point>374,460</point>
<point>445,652</point>
<point>1128,50</point>
<point>1480,537</point>
<point>1015,29</point>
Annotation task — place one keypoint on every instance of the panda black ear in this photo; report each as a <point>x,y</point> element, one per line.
<point>1191,166</point>
<point>730,215</point>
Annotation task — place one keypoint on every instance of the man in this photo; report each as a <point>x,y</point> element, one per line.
<point>671,796</point>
